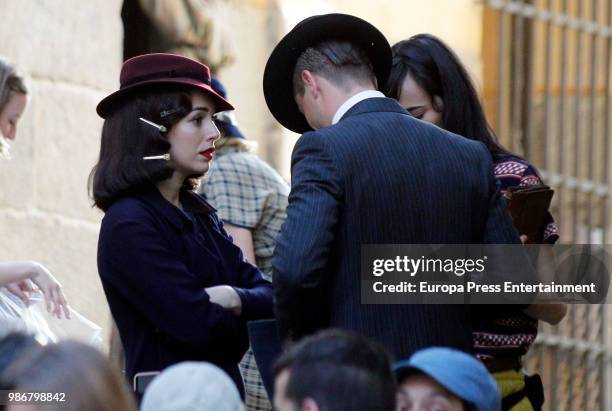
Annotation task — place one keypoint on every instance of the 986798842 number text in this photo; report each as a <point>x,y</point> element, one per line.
<point>12,397</point>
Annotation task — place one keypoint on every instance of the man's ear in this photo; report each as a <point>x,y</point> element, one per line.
<point>308,404</point>
<point>311,82</point>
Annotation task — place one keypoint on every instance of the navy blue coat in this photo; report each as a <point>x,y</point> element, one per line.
<point>154,261</point>
<point>380,176</point>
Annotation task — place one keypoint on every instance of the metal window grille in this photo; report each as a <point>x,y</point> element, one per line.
<point>551,97</point>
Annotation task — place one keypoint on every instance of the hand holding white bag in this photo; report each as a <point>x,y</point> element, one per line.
<point>33,318</point>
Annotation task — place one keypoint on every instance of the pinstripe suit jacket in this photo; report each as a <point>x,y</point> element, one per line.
<point>380,176</point>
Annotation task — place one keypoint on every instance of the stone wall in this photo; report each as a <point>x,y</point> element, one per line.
<point>71,54</point>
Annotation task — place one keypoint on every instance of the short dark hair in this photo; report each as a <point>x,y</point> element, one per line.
<point>439,72</point>
<point>336,61</point>
<point>340,370</point>
<point>126,140</point>
<point>12,347</point>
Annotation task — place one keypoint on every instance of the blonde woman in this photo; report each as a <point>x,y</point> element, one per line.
<point>14,275</point>
<point>13,99</point>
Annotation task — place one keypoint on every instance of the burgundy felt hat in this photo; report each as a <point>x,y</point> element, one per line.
<point>140,72</point>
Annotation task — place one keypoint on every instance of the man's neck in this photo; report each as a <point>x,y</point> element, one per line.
<point>351,99</point>
<point>343,96</point>
<point>334,96</point>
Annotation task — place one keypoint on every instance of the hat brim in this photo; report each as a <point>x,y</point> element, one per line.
<point>106,106</point>
<point>405,369</point>
<point>229,130</point>
<point>278,74</point>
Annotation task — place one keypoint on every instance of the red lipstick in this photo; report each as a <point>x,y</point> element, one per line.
<point>208,154</point>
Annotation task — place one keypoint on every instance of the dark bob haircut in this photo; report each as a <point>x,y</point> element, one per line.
<point>121,169</point>
<point>439,72</point>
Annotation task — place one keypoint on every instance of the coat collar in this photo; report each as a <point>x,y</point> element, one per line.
<point>192,203</point>
<point>372,105</point>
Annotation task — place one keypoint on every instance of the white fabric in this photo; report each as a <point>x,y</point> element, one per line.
<point>346,106</point>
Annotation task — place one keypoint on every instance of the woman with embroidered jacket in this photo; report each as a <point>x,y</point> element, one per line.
<point>428,79</point>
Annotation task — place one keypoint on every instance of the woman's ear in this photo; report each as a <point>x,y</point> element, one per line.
<point>438,104</point>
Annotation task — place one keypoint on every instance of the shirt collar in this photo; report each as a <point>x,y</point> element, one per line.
<point>346,106</point>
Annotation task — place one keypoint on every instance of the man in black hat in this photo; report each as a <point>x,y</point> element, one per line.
<point>369,173</point>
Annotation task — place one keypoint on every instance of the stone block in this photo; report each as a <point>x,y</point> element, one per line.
<point>70,40</point>
<point>67,145</point>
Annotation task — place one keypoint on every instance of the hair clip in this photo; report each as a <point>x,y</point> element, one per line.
<point>165,113</point>
<point>157,126</point>
<point>160,157</point>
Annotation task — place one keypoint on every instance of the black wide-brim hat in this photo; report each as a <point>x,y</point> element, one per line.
<point>278,75</point>
<point>142,72</point>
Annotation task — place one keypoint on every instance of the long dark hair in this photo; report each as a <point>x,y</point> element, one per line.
<point>126,140</point>
<point>439,72</point>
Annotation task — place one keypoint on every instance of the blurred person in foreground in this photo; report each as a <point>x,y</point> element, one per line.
<point>78,377</point>
<point>250,197</point>
<point>15,344</point>
<point>443,379</point>
<point>429,80</point>
<point>18,276</point>
<point>192,386</point>
<point>334,370</point>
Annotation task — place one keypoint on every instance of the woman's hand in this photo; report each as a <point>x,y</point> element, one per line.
<point>20,276</point>
<point>21,289</point>
<point>550,313</point>
<point>226,297</point>
<point>52,290</point>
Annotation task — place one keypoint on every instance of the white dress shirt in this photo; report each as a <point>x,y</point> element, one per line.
<point>346,106</point>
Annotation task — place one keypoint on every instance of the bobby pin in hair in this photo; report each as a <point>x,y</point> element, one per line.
<point>157,126</point>
<point>165,113</point>
<point>160,157</point>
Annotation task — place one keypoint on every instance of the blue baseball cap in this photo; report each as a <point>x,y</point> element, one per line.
<point>226,121</point>
<point>458,372</point>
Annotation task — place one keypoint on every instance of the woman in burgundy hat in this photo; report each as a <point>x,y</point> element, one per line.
<point>178,288</point>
